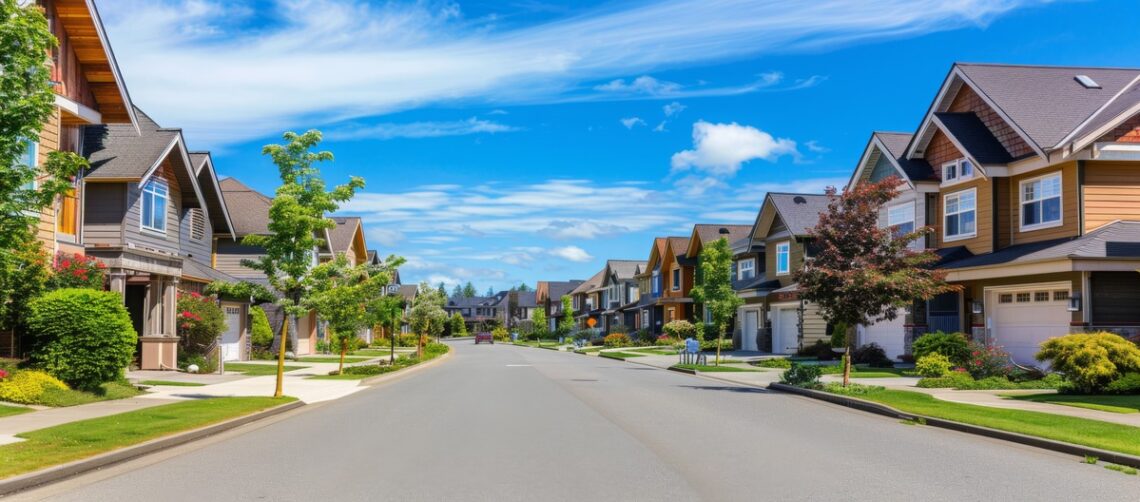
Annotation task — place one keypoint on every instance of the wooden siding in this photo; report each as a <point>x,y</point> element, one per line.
<point>1004,222</point>
<point>67,69</point>
<point>49,142</point>
<point>230,255</point>
<point>795,259</point>
<point>814,327</point>
<point>1128,132</point>
<point>968,101</point>
<point>1070,215</point>
<point>105,205</point>
<point>1111,191</point>
<point>982,242</point>
<point>132,229</point>
<point>198,250</point>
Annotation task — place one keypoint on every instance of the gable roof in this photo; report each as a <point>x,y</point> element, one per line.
<point>84,25</point>
<point>212,192</point>
<point>704,233</point>
<point>555,290</point>
<point>799,212</point>
<point>341,236</point>
<point>591,283</point>
<point>526,299</point>
<point>122,151</point>
<point>250,209</point>
<point>968,131</point>
<point>625,269</point>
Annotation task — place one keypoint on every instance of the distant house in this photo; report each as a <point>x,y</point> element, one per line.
<point>618,289</point>
<point>587,303</point>
<point>703,235</point>
<point>479,312</point>
<point>548,297</point>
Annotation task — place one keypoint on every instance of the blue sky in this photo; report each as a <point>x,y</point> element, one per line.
<point>516,141</point>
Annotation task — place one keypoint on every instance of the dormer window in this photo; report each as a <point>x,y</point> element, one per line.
<point>155,199</point>
<point>745,269</point>
<point>958,170</point>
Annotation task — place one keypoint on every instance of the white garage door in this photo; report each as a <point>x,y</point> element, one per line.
<point>749,330</point>
<point>231,339</point>
<point>890,335</point>
<point>1020,320</point>
<point>786,331</point>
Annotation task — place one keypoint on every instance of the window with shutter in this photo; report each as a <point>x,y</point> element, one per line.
<point>197,222</point>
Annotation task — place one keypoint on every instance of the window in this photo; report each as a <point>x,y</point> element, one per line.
<point>645,318</point>
<point>1041,202</point>
<point>156,196</point>
<point>958,170</point>
<point>1059,296</point>
<point>783,258</point>
<point>30,158</point>
<point>901,218</point>
<point>1005,298</point>
<point>961,216</point>
<point>676,279</point>
<point>1041,296</point>
<point>745,269</point>
<point>1023,298</point>
<point>656,282</point>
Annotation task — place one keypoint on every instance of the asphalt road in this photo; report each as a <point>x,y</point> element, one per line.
<point>503,423</point>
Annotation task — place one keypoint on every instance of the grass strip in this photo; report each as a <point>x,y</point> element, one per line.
<point>7,411</point>
<point>259,369</point>
<point>865,372</point>
<point>110,391</point>
<point>708,368</point>
<point>333,359</point>
<point>621,356</point>
<point>1111,404</point>
<point>86,438</point>
<point>1082,431</point>
<point>371,370</point>
<point>171,383</point>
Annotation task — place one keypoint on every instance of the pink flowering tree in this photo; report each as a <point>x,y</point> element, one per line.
<point>200,321</point>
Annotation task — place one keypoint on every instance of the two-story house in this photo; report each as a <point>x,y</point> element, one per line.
<point>786,322</point>
<point>751,284</point>
<point>548,296</point>
<point>677,272</point>
<point>586,301</point>
<point>347,238</point>
<point>478,312</point>
<point>618,288</point>
<point>650,283</point>
<point>1036,199</point>
<point>705,234</point>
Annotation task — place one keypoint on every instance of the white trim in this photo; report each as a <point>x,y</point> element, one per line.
<point>912,213</point>
<point>958,179</point>
<point>143,226</point>
<point>209,163</point>
<point>951,238</point>
<point>876,143</point>
<point>1022,227</point>
<point>788,252</point>
<point>962,150</point>
<point>739,270</point>
<point>97,20</point>
<point>1104,106</point>
<point>79,110</point>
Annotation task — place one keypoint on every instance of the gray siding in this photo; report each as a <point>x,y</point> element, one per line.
<point>230,255</point>
<point>132,228</point>
<point>196,249</point>
<point>883,169</point>
<point>104,205</point>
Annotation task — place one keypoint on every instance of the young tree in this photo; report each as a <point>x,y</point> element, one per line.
<point>715,290</point>
<point>862,273</point>
<point>469,290</point>
<point>458,327</point>
<point>341,294</point>
<point>387,311</point>
<point>297,220</point>
<point>567,324</point>
<point>539,320</point>
<point>27,104</point>
<point>427,315</point>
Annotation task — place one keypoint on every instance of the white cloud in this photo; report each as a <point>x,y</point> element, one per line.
<point>631,122</point>
<point>387,237</point>
<point>660,127</point>
<point>572,253</point>
<point>327,61</point>
<point>673,108</point>
<point>814,147</point>
<point>581,229</point>
<point>720,149</point>
<point>416,130</point>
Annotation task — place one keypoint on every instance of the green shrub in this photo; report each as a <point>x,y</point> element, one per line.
<point>963,381</point>
<point>82,336</point>
<point>780,362</point>
<point>1127,384</point>
<point>204,364</point>
<point>1090,361</point>
<point>200,321</point>
<point>646,336</point>
<point>617,340</point>
<point>262,354</point>
<point>987,361</point>
<point>680,329</point>
<point>933,366</point>
<point>666,341</point>
<point>500,334</point>
<point>710,345</point>
<point>839,336</point>
<point>802,375</point>
<point>872,355</point>
<point>954,346</point>
<point>370,369</point>
<point>28,387</point>
<point>821,350</point>
<point>261,335</point>
<point>853,389</point>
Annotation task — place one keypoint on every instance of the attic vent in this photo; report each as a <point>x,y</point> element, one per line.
<point>799,200</point>
<point>197,224</point>
<point>1088,82</point>
<point>723,231</point>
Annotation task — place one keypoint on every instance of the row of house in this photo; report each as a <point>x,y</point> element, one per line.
<point>506,308</point>
<point>151,208</point>
<point>1029,177</point>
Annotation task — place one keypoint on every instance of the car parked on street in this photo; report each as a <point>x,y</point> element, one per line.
<point>484,337</point>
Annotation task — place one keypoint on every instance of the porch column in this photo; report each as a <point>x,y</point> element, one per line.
<point>169,306</point>
<point>119,282</point>
<point>147,312</point>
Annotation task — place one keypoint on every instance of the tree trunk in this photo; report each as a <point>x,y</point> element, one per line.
<point>719,341</point>
<point>392,347</point>
<point>343,352</point>
<point>848,342</point>
<point>281,358</point>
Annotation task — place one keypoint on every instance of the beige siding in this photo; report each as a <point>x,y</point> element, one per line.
<point>1111,192</point>
<point>49,142</point>
<point>982,242</point>
<point>230,255</point>
<point>104,208</point>
<point>795,259</point>
<point>814,327</point>
<point>1070,215</point>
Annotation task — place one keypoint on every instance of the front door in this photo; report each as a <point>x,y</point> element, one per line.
<point>749,330</point>
<point>231,338</point>
<point>786,339</point>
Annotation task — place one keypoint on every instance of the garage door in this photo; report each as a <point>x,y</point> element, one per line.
<point>1020,320</point>
<point>786,339</point>
<point>231,339</point>
<point>890,335</point>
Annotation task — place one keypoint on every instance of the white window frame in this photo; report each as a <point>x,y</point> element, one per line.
<point>1022,202</point>
<point>149,193</point>
<point>945,199</point>
<point>676,276</point>
<point>33,161</point>
<point>740,268</point>
<point>784,248</point>
<point>957,168</point>
<point>908,209</point>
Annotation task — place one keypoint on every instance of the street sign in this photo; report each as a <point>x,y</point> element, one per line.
<point>591,322</point>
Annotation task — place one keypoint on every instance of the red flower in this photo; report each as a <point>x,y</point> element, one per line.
<point>65,264</point>
<point>3,374</point>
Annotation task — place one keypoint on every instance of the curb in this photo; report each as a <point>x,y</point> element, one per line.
<point>78,467</point>
<point>686,371</point>
<point>1048,444</point>
<point>373,380</point>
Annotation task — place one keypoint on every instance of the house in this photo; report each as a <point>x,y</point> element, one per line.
<point>676,274</point>
<point>784,322</point>
<point>703,235</point>
<point>649,311</point>
<point>618,288</point>
<point>1035,211</point>
<point>478,312</point>
<point>249,210</point>
<point>408,292</point>
<point>587,303</point>
<point>347,238</point>
<point>751,284</point>
<point>548,296</point>
<point>520,307</point>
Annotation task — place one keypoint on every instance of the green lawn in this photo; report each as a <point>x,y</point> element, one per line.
<point>589,350</point>
<point>859,371</point>
<point>62,398</point>
<point>1109,436</point>
<point>259,369</point>
<point>171,383</point>
<point>620,355</point>
<point>658,351</point>
<point>1112,404</point>
<point>77,440</point>
<point>333,359</point>
<point>708,368</point>
<point>6,411</point>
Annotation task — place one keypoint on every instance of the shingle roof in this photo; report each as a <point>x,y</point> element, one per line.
<point>625,269</point>
<point>1118,106</point>
<point>193,269</point>
<point>1046,102</point>
<point>119,151</point>
<point>409,291</point>
<point>1115,240</point>
<point>800,212</point>
<point>680,245</point>
<point>527,299</point>
<point>249,209</point>
<point>590,283</point>
<point>710,232</point>
<point>974,136</point>
<point>342,234</point>
<point>211,191</point>
<point>896,143</point>
<point>558,289</point>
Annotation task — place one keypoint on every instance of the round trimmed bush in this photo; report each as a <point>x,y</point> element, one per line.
<point>82,336</point>
<point>617,340</point>
<point>1090,361</point>
<point>261,335</point>
<point>954,346</point>
<point>932,366</point>
<point>680,329</point>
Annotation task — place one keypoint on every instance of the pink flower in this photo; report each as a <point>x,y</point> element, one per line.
<point>3,374</point>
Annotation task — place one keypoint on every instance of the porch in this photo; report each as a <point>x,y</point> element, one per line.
<point>148,282</point>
